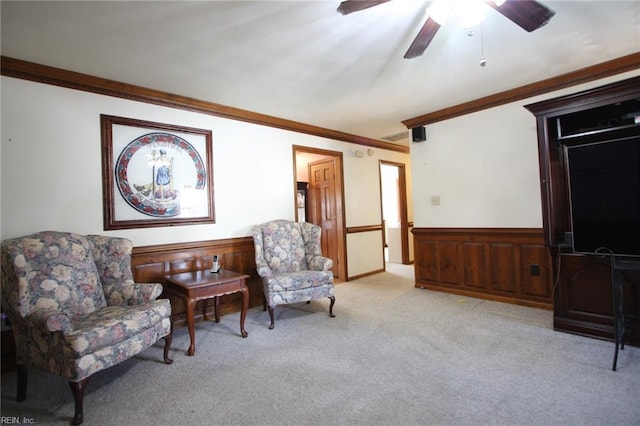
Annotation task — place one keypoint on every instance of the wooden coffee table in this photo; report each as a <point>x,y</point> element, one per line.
<point>199,285</point>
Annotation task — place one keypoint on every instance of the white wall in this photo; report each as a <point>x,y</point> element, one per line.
<point>369,255</point>
<point>51,176</point>
<point>484,168</point>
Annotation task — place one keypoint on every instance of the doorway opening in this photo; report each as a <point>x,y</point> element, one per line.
<point>319,195</point>
<point>393,187</point>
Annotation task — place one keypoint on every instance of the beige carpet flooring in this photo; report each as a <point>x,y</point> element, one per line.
<point>394,355</point>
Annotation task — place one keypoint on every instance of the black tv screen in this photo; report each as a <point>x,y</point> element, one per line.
<point>604,190</point>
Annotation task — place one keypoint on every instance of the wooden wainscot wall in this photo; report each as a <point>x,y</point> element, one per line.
<point>152,263</point>
<point>506,265</point>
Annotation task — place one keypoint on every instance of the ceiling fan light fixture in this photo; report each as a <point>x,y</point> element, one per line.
<point>440,10</point>
<point>470,12</point>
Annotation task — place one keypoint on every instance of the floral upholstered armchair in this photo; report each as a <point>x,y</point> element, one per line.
<point>74,308</point>
<point>289,260</point>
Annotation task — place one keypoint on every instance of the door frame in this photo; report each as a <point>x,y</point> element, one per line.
<point>403,209</point>
<point>341,268</point>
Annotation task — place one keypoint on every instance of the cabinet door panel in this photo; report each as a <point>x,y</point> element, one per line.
<point>451,266</point>
<point>503,274</point>
<point>476,273</point>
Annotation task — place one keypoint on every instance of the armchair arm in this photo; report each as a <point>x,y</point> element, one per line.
<point>52,319</point>
<point>263,269</point>
<point>130,293</point>
<point>319,263</point>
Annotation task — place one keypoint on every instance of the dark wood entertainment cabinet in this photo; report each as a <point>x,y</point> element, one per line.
<point>582,299</point>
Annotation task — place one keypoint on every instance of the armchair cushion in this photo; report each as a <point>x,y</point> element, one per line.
<point>295,287</point>
<point>113,324</point>
<point>299,280</point>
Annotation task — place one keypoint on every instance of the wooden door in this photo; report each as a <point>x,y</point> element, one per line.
<point>322,207</point>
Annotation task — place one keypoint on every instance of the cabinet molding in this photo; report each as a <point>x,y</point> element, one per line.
<point>582,295</point>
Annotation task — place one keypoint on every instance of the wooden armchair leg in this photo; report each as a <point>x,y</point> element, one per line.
<point>271,308</point>
<point>77,389</point>
<point>167,344</point>
<point>333,300</point>
<point>21,394</point>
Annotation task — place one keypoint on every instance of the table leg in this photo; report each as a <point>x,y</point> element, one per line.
<point>191,324</point>
<point>245,307</point>
<point>204,310</point>
<point>216,308</point>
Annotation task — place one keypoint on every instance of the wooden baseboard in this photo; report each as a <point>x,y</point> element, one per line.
<point>484,296</point>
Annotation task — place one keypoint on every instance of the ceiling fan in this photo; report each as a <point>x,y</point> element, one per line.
<point>528,14</point>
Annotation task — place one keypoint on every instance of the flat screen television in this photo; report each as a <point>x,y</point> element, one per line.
<point>604,191</point>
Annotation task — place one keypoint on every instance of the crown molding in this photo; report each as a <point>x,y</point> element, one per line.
<point>583,75</point>
<point>17,68</point>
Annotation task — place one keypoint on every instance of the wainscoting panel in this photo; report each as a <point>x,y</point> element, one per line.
<point>428,269</point>
<point>152,263</point>
<point>451,269</point>
<point>503,277</point>
<point>536,257</point>
<point>183,265</point>
<point>507,265</point>
<point>476,256</point>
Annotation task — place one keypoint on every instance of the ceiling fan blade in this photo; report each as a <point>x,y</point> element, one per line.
<point>350,6</point>
<point>422,40</point>
<point>528,14</point>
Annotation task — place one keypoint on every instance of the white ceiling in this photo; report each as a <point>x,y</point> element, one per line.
<point>303,61</point>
